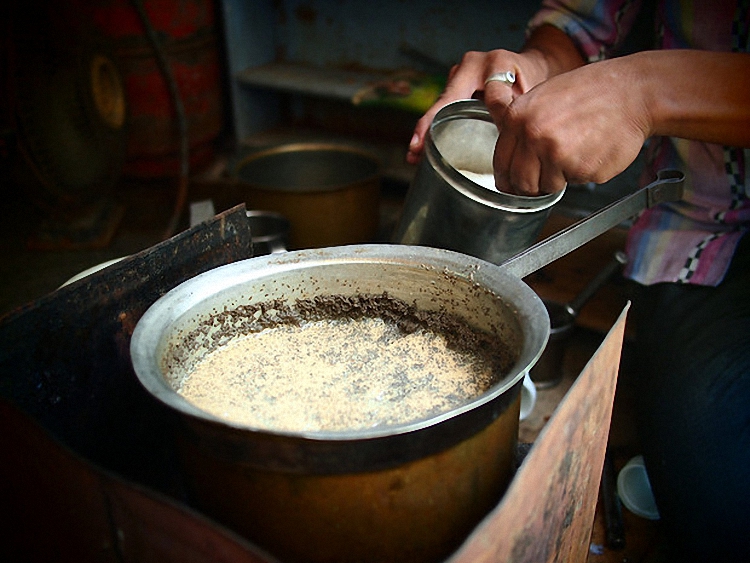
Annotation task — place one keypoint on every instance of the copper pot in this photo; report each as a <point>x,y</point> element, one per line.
<point>329,192</point>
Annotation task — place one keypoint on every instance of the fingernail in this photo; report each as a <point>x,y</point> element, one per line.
<point>414,140</point>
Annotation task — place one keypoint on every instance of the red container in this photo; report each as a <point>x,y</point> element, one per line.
<point>189,42</point>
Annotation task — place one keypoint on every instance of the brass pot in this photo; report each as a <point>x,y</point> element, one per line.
<point>329,192</point>
<point>409,492</point>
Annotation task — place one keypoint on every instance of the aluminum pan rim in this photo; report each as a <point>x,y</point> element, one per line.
<point>158,319</point>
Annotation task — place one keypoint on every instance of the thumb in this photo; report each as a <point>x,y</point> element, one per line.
<point>416,144</point>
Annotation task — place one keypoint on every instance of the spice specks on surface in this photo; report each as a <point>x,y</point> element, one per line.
<point>336,363</point>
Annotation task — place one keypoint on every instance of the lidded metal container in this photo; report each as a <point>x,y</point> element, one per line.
<point>448,205</point>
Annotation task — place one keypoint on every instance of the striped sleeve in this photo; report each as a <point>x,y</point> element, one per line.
<point>597,27</point>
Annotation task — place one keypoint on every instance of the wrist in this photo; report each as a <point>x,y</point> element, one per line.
<point>536,70</point>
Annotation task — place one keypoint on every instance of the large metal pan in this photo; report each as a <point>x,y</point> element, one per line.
<point>408,492</point>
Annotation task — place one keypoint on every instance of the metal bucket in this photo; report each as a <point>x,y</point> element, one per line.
<point>444,208</point>
<point>330,193</point>
<point>548,371</point>
<point>269,232</point>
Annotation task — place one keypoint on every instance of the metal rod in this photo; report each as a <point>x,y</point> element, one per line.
<point>667,187</point>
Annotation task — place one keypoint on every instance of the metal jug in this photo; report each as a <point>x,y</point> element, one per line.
<point>444,208</point>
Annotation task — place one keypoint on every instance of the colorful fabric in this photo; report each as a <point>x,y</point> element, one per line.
<point>692,241</point>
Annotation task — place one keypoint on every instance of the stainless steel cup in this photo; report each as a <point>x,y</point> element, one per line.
<point>444,208</point>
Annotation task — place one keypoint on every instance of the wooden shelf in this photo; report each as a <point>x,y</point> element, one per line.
<point>309,80</point>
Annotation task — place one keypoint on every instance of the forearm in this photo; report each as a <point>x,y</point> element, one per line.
<point>557,51</point>
<point>698,95</point>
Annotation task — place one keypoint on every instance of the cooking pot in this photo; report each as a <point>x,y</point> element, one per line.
<point>411,491</point>
<point>329,192</point>
<point>406,492</point>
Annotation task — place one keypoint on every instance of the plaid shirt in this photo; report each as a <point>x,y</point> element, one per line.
<point>693,240</point>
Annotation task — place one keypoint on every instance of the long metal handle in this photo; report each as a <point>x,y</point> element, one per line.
<point>666,187</point>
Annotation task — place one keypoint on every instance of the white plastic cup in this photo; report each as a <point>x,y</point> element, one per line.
<point>528,397</point>
<point>634,489</point>
<point>92,270</point>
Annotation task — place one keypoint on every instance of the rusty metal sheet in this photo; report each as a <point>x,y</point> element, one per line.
<point>548,511</point>
<point>65,359</point>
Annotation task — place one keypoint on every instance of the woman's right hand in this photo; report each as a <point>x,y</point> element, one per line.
<point>467,80</point>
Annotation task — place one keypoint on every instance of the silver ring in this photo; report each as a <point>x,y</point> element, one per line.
<point>508,77</point>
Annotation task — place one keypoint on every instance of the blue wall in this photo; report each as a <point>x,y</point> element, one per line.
<point>358,33</point>
<point>370,33</point>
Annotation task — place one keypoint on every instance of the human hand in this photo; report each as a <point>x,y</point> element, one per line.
<point>586,125</point>
<point>467,80</point>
